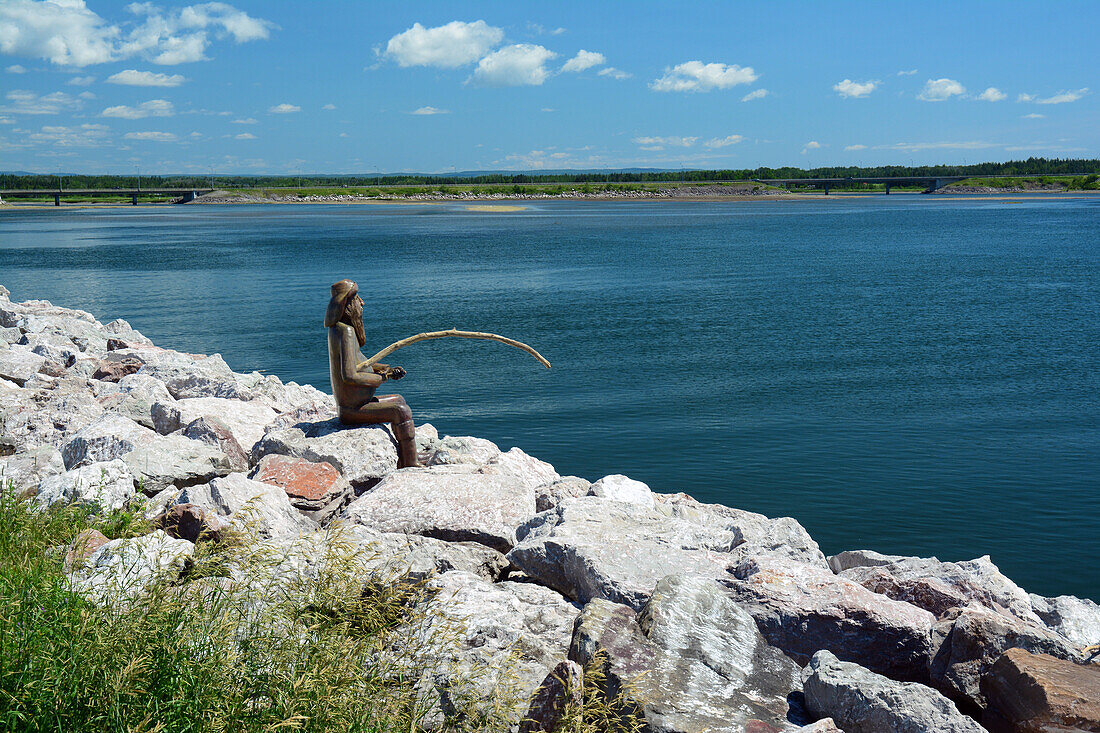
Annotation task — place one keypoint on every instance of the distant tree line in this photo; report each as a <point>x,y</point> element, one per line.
<point>1029,167</point>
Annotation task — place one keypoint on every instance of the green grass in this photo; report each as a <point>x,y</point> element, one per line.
<point>232,643</point>
<point>1071,183</point>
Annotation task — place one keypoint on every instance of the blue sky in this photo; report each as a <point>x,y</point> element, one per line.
<point>347,87</point>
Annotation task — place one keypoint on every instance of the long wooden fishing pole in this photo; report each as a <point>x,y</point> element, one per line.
<point>455,333</point>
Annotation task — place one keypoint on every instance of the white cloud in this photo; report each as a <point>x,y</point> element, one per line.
<point>67,33</point>
<point>521,64</point>
<point>853,89</point>
<point>584,60</point>
<point>812,145</point>
<point>659,143</point>
<point>429,110</point>
<point>695,76</point>
<point>548,109</point>
<point>1064,97</point>
<point>15,69</point>
<point>755,94</point>
<point>245,121</point>
<point>22,102</point>
<point>156,137</point>
<point>81,81</point>
<point>244,136</point>
<point>1034,116</point>
<point>135,78</point>
<point>447,46</point>
<point>855,147</point>
<point>937,90</point>
<point>910,72</point>
<point>329,107</point>
<point>152,108</point>
<point>614,73</point>
<point>284,109</point>
<point>992,94</point>
<point>1025,98</point>
<point>915,147</point>
<point>86,95</point>
<point>722,142</point>
<point>83,136</point>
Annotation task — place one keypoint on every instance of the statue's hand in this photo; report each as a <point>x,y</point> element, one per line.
<point>395,373</point>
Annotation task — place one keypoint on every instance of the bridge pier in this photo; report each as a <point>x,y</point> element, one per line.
<point>133,200</point>
<point>826,189</point>
<point>887,189</point>
<point>57,199</point>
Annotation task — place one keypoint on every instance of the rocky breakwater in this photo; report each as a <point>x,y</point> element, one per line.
<point>701,617</point>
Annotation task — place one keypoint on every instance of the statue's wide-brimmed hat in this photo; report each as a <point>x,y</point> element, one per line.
<point>342,292</point>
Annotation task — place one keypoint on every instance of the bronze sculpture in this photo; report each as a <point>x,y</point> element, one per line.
<point>354,380</point>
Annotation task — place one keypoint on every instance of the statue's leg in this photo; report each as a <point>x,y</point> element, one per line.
<point>392,409</point>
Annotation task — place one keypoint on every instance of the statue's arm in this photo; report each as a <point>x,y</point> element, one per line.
<point>350,364</point>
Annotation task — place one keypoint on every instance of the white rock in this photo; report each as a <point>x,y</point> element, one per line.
<point>860,559</point>
<point>122,570</point>
<point>26,470</point>
<point>548,496</point>
<point>363,454</point>
<point>447,505</point>
<point>497,640</point>
<point>18,364</point>
<point>531,471</point>
<point>691,661</point>
<point>452,450</point>
<point>1077,619</point>
<point>101,486</point>
<point>134,396</point>
<point>173,460</point>
<point>622,488</point>
<point>247,421</point>
<point>109,436</point>
<point>861,701</point>
<point>252,504</point>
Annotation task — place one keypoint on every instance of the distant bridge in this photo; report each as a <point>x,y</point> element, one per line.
<point>930,183</point>
<point>185,195</point>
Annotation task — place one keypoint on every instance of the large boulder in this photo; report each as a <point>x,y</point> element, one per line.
<point>54,347</point>
<point>975,638</point>
<point>135,397</point>
<point>187,375</point>
<point>497,641</point>
<point>691,661</point>
<point>453,450</point>
<point>121,570</point>
<point>363,454</point>
<point>1077,619</point>
<point>247,421</point>
<point>108,437</point>
<point>317,489</point>
<point>622,488</point>
<point>548,496</point>
<point>842,561</point>
<point>757,535</point>
<point>938,586</point>
<point>216,434</point>
<point>45,416</point>
<point>19,364</point>
<point>518,465</point>
<point>25,471</point>
<point>860,701</point>
<point>173,460</point>
<point>394,555</point>
<point>1037,693</point>
<point>803,608</point>
<point>448,505</point>
<point>99,486</point>
<point>253,505</point>
<point>597,547</point>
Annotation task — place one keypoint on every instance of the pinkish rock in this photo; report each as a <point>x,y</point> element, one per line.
<point>112,371</point>
<point>310,486</point>
<point>82,547</point>
<point>190,522</point>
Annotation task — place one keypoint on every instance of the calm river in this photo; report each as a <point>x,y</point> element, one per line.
<point>912,374</point>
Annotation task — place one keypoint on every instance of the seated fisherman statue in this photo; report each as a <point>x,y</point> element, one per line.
<point>354,380</point>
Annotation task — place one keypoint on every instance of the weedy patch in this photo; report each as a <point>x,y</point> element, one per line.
<point>246,636</point>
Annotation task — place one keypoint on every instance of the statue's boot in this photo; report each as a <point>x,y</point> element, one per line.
<point>405,432</point>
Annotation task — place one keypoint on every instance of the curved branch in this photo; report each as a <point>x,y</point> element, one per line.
<point>455,333</point>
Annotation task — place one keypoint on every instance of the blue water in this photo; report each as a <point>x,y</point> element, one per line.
<point>917,375</point>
